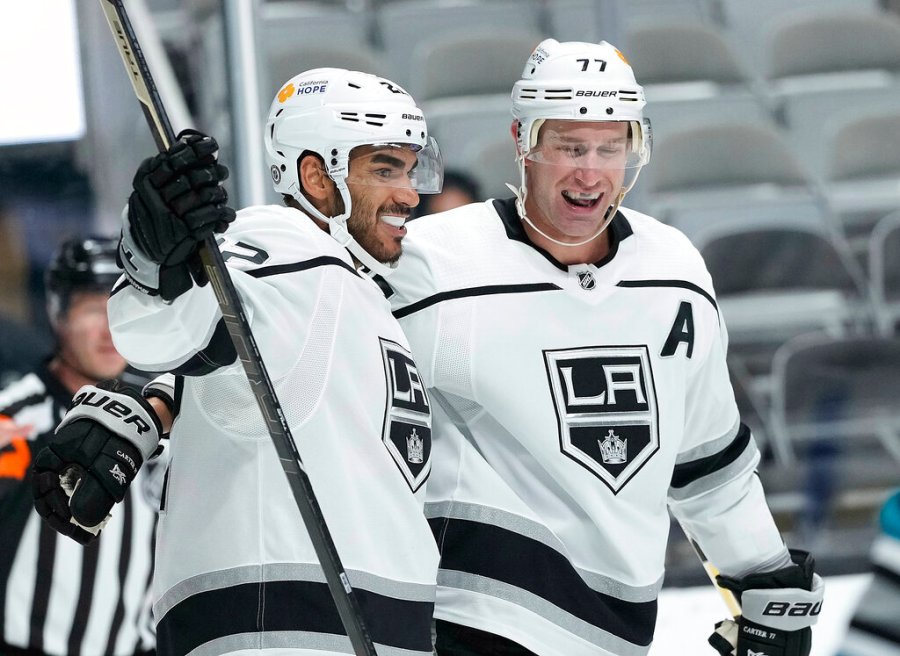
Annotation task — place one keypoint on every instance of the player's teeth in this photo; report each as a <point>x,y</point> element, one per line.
<point>396,221</point>
<point>575,196</point>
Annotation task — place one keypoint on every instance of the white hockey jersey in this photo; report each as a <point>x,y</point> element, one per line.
<point>235,567</point>
<point>573,405</point>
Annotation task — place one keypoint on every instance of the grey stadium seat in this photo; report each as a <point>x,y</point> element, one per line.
<point>776,278</point>
<point>727,163</point>
<point>404,24</point>
<point>461,124</point>
<point>884,272</point>
<point>476,60</point>
<point>844,389</point>
<point>862,168</point>
<point>493,163</point>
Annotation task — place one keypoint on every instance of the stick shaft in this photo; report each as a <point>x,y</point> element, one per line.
<point>247,350</point>
<point>712,571</point>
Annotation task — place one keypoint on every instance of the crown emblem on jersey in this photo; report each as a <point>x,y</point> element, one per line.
<point>586,280</point>
<point>118,474</point>
<point>613,449</point>
<point>414,448</point>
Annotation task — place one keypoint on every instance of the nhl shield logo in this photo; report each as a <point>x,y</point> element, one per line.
<point>586,280</point>
<point>605,404</point>
<point>407,421</point>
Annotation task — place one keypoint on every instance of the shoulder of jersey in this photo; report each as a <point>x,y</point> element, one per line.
<point>287,235</point>
<point>457,248</point>
<point>664,251</point>
<point>468,233</point>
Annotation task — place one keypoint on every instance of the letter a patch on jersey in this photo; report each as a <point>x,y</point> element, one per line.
<point>605,404</point>
<point>407,419</point>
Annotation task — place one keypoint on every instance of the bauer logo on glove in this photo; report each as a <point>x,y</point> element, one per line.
<point>88,397</point>
<point>93,457</point>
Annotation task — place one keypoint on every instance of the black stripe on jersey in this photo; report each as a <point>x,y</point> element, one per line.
<point>683,284</point>
<point>43,581</point>
<point>474,291</point>
<point>122,285</point>
<point>496,553</point>
<point>383,285</point>
<point>688,472</point>
<point>17,508</point>
<point>888,575</point>
<point>218,353</point>
<point>278,269</point>
<point>90,561</point>
<point>124,560</point>
<point>13,408</point>
<point>289,606</point>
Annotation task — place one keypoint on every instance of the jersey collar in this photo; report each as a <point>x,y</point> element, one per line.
<point>619,229</point>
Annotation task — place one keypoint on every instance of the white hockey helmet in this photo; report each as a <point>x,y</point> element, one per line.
<point>578,81</point>
<point>331,111</point>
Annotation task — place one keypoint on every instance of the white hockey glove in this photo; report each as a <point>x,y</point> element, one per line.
<point>92,458</point>
<point>778,608</point>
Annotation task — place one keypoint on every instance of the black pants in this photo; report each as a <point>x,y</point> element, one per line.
<point>457,640</point>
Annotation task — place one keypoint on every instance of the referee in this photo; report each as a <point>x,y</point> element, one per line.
<point>56,597</point>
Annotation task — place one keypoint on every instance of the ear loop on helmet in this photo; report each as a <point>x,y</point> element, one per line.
<point>522,192</point>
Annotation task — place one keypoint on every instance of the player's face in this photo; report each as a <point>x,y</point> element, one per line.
<point>85,342</point>
<point>574,175</point>
<point>382,197</point>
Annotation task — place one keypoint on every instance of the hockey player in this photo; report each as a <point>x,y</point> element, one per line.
<point>236,571</point>
<point>57,597</point>
<point>579,350</point>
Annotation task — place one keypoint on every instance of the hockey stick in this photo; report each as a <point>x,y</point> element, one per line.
<point>239,330</point>
<point>712,571</point>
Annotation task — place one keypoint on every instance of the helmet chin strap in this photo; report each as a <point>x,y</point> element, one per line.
<point>522,193</point>
<point>337,228</point>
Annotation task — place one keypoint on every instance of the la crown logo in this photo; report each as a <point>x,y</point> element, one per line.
<point>613,449</point>
<point>414,448</point>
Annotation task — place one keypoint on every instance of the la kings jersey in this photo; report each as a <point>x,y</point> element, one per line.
<point>235,567</point>
<point>572,406</point>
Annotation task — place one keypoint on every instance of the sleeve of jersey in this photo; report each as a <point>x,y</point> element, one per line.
<point>189,337</point>
<point>715,493</point>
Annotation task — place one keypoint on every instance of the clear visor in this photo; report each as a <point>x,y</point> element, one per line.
<point>603,148</point>
<point>398,165</point>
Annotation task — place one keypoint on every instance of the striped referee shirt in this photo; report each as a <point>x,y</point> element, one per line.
<point>57,597</point>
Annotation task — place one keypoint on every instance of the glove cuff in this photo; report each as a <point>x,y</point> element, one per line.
<point>788,609</point>
<point>141,271</point>
<point>789,598</point>
<point>126,415</point>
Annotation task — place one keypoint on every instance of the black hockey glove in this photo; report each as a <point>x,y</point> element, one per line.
<point>178,201</point>
<point>92,458</point>
<point>778,608</point>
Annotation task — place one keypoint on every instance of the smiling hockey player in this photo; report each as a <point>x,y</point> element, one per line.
<point>236,570</point>
<point>578,348</point>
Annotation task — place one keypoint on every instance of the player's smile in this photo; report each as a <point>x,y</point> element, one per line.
<point>393,222</point>
<point>582,200</point>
